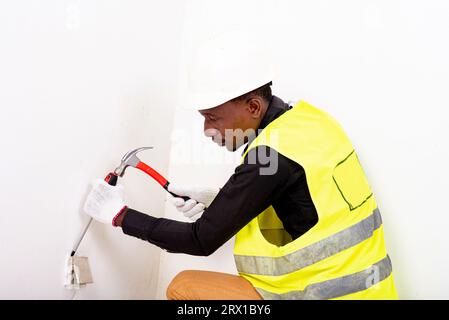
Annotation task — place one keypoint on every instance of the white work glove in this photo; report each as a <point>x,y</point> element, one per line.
<point>104,202</point>
<point>200,199</point>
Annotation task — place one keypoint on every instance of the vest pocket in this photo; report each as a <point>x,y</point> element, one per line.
<point>351,181</point>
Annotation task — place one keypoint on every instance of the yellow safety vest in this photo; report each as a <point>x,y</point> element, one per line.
<point>343,256</point>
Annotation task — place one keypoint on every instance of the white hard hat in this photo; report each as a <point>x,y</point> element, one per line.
<point>225,67</point>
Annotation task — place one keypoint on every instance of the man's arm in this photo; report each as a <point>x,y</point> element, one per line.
<point>246,194</point>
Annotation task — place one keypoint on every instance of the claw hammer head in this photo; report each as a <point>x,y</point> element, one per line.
<point>130,159</point>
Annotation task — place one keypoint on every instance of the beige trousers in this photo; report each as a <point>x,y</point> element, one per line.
<point>208,285</point>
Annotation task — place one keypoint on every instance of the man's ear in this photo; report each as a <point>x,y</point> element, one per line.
<point>255,107</point>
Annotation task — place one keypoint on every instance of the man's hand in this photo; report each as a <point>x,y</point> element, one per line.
<point>105,202</point>
<point>200,198</point>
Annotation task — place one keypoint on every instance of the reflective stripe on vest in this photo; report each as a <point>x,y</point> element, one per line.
<point>339,286</point>
<point>276,266</point>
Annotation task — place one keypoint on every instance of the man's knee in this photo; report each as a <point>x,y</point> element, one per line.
<point>178,287</point>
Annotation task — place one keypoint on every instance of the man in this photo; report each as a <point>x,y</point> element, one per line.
<point>306,222</point>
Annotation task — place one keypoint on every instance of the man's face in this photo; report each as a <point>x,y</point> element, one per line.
<point>231,124</point>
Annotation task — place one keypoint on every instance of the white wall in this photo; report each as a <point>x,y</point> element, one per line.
<point>81,83</point>
<point>380,68</point>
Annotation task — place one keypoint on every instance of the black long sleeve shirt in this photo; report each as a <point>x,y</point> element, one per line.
<point>244,196</point>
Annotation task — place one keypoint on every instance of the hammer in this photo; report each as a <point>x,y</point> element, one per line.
<point>130,159</point>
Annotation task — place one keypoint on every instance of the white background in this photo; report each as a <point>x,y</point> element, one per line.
<point>81,83</point>
<point>76,93</point>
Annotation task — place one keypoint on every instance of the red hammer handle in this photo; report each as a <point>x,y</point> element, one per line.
<point>159,178</point>
<point>152,173</point>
